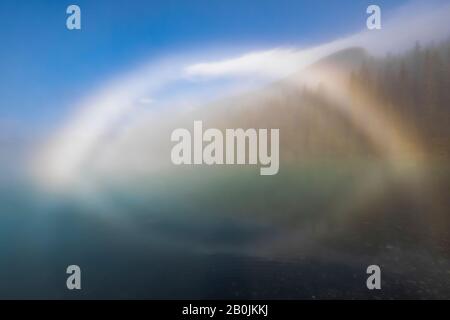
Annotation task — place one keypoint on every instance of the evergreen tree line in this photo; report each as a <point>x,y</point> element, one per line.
<point>414,86</point>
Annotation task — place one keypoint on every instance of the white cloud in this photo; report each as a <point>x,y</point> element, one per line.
<point>411,23</point>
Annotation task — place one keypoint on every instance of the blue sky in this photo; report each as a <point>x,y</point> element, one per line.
<point>44,67</point>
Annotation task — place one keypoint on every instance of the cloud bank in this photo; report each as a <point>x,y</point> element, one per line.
<point>97,125</point>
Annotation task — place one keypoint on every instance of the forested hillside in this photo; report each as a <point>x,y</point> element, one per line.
<point>415,86</point>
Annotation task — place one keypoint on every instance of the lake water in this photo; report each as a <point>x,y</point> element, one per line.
<point>309,233</point>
